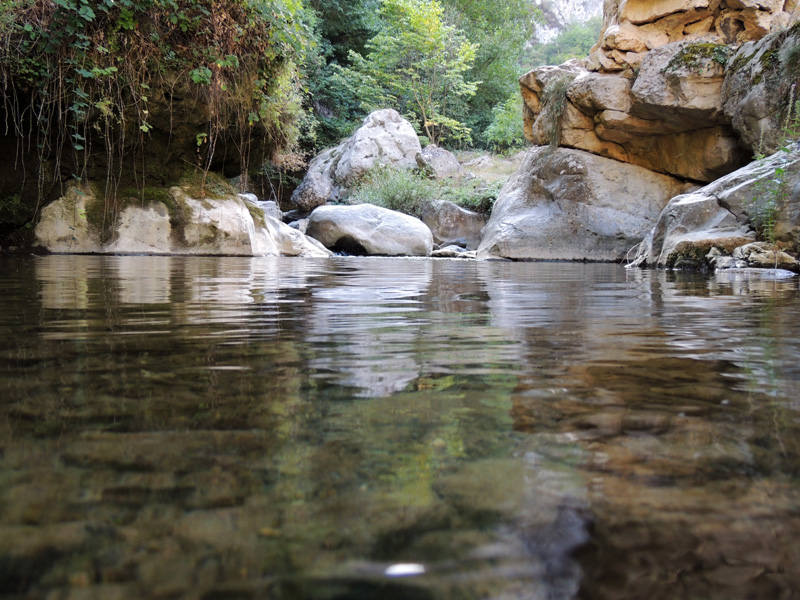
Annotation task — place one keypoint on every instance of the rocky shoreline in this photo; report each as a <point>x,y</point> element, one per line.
<point>640,154</point>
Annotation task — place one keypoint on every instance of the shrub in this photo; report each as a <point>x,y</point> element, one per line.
<point>91,72</point>
<point>402,190</point>
<point>506,129</point>
<point>409,191</point>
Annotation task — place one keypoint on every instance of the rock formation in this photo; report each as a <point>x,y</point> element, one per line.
<point>180,224</point>
<point>572,205</point>
<point>453,225</point>
<point>384,139</point>
<point>364,229</point>
<point>721,214</point>
<point>652,92</point>
<point>685,88</point>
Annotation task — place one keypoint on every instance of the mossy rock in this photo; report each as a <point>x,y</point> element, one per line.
<point>696,56</point>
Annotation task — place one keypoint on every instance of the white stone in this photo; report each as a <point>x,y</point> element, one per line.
<point>377,230</point>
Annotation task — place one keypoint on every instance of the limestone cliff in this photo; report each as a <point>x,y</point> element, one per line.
<point>653,93</point>
<point>689,89</point>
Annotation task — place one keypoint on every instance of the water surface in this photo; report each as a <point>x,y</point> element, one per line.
<point>275,428</point>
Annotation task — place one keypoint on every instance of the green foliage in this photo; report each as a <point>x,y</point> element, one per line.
<point>90,70</point>
<point>554,101</point>
<point>766,204</point>
<point>574,42</point>
<point>345,86</point>
<point>500,29</point>
<point>418,63</point>
<point>402,190</point>
<point>409,191</point>
<point>505,130</point>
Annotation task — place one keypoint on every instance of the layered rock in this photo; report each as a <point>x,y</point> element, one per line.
<point>659,90</point>
<point>572,205</point>
<point>670,119</point>
<point>721,215</point>
<point>634,27</point>
<point>364,229</point>
<point>183,225</point>
<point>385,139</point>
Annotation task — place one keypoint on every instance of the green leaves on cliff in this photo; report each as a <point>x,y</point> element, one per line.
<point>91,69</point>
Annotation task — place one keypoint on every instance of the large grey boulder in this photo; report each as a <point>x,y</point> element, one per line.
<point>438,162</point>
<point>719,215</point>
<point>571,205</point>
<point>317,187</point>
<point>366,229</point>
<point>385,139</point>
<point>451,224</point>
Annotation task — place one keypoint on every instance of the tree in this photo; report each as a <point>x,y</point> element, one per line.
<point>500,28</point>
<point>419,63</point>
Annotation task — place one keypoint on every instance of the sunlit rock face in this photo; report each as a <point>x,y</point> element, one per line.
<point>657,91</point>
<point>669,119</point>
<point>77,223</point>
<point>572,205</point>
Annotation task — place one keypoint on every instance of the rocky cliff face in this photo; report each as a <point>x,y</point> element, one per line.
<point>691,89</point>
<point>653,92</point>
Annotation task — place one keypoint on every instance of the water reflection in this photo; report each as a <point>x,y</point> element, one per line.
<point>288,428</point>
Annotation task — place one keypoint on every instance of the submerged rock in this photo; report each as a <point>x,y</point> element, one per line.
<point>571,205</point>
<point>365,229</point>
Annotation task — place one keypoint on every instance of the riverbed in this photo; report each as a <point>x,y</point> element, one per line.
<point>219,428</point>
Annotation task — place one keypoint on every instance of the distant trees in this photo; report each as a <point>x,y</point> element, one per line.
<point>446,64</point>
<point>574,42</point>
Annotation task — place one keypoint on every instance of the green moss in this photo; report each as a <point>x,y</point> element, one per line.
<point>741,61</point>
<point>258,215</point>
<point>769,59</point>
<point>206,185</point>
<point>147,194</point>
<point>694,56</point>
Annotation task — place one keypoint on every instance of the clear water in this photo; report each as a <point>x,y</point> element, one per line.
<point>227,428</point>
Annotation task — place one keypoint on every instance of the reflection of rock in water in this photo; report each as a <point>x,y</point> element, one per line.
<point>142,280</point>
<point>366,315</point>
<point>65,280</point>
<point>668,442</point>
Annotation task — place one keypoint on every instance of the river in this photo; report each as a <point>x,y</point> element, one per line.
<point>373,428</point>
